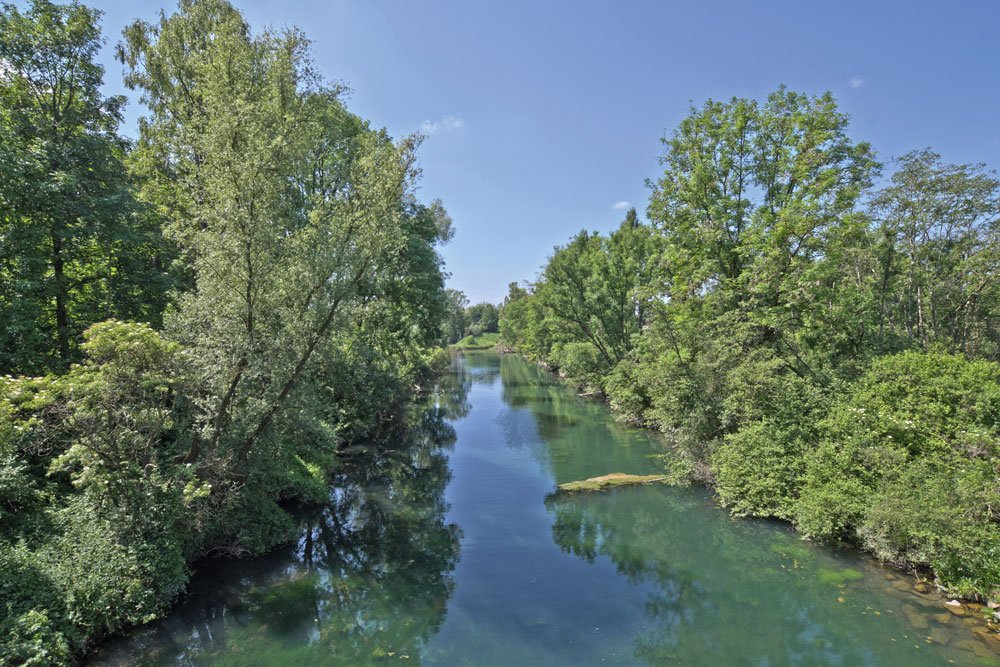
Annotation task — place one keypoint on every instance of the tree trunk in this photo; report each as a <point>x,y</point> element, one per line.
<point>62,313</point>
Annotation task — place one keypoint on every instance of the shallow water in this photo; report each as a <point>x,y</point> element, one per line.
<point>450,549</point>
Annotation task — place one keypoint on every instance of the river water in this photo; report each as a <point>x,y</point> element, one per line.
<point>451,549</point>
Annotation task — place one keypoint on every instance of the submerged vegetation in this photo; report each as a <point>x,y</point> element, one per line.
<point>820,348</point>
<point>191,324</point>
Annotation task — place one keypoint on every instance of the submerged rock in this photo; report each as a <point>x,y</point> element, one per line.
<point>991,638</point>
<point>915,617</point>
<point>607,481</point>
<point>955,607</point>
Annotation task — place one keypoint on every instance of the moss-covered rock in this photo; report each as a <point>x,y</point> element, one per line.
<point>608,481</point>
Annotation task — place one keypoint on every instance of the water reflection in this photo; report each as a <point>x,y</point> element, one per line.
<point>369,577</point>
<point>741,592</point>
<point>644,575</point>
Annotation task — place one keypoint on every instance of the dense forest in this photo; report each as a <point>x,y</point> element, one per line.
<point>191,321</point>
<point>818,333</point>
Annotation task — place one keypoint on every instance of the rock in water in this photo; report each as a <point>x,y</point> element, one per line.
<point>608,481</point>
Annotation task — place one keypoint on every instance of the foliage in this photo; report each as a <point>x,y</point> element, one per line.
<point>101,531</point>
<point>483,341</point>
<point>78,247</point>
<point>224,304</point>
<point>465,320</point>
<point>483,318</point>
<point>591,304</point>
<point>907,465</point>
<point>794,330</point>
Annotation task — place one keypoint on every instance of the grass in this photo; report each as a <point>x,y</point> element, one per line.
<point>481,342</point>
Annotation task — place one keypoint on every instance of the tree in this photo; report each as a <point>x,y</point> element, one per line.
<point>482,318</point>
<point>77,248</point>
<point>749,191</point>
<point>938,256</point>
<point>598,290</point>
<point>456,324</point>
<point>293,215</point>
<point>757,208</point>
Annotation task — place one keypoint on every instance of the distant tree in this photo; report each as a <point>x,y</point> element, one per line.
<point>457,321</point>
<point>938,254</point>
<point>482,318</point>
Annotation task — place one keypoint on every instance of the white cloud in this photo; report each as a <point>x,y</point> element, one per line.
<point>444,124</point>
<point>621,205</point>
<point>856,82</point>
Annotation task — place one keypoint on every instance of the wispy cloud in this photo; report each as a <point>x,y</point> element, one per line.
<point>443,124</point>
<point>621,205</point>
<point>856,82</point>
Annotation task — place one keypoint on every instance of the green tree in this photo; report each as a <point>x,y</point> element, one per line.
<point>316,284</point>
<point>482,318</point>
<point>457,321</point>
<point>77,248</point>
<point>939,251</point>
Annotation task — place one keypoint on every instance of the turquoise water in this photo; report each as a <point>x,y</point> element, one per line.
<point>451,549</point>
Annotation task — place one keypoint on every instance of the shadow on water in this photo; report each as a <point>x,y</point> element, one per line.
<point>369,576</point>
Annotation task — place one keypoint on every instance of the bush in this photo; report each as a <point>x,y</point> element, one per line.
<point>79,582</point>
<point>581,362</point>
<point>626,393</point>
<point>907,467</point>
<point>757,469</point>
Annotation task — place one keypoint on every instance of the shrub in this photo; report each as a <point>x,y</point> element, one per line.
<point>581,362</point>
<point>907,467</point>
<point>757,469</point>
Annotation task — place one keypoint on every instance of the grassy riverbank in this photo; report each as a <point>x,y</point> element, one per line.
<point>484,341</point>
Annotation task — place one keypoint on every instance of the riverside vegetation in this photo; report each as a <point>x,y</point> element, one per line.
<point>194,323</point>
<point>820,343</point>
<point>191,323</point>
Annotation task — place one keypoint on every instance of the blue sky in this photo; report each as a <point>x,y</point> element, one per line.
<point>542,116</point>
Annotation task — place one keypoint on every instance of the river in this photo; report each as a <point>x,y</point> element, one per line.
<point>450,548</point>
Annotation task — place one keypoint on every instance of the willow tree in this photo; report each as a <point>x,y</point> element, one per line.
<point>291,213</point>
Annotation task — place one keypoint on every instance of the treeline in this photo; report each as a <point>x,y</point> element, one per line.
<point>465,320</point>
<point>190,322</point>
<point>821,348</point>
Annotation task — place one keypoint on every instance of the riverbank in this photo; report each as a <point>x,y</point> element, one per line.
<point>451,548</point>
<point>485,341</point>
<point>980,612</point>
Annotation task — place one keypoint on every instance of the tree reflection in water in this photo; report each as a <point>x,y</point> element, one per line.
<point>734,591</point>
<point>369,576</point>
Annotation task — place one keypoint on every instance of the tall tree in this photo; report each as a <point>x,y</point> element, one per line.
<point>291,212</point>
<point>940,231</point>
<point>753,202</point>
<point>76,247</point>
<point>457,322</point>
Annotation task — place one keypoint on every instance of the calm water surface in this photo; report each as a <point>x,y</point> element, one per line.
<point>450,549</point>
